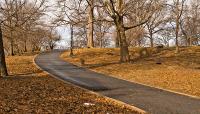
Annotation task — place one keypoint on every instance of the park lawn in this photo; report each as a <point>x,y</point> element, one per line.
<point>30,90</point>
<point>178,72</point>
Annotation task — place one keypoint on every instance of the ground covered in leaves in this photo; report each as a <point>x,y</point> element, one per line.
<point>178,72</point>
<point>29,90</point>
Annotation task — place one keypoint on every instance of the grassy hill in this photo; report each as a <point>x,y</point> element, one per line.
<point>178,72</point>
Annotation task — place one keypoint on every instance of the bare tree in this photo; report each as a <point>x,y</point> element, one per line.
<point>52,38</point>
<point>80,38</point>
<point>136,36</point>
<point>102,29</point>
<point>189,23</point>
<point>72,14</point>
<point>81,12</point>
<point>177,9</point>
<point>156,23</point>
<point>165,36</point>
<point>71,40</point>
<point>16,13</point>
<point>120,11</point>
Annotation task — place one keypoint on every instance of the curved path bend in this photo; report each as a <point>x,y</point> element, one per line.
<point>152,100</point>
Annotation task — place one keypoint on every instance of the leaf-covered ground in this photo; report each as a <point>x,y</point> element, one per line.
<point>178,72</point>
<point>30,91</point>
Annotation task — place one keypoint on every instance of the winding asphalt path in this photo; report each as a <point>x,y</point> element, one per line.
<point>150,99</point>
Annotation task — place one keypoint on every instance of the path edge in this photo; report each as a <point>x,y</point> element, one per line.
<point>140,111</point>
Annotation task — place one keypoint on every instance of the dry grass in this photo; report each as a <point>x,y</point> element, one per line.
<point>30,91</point>
<point>178,72</point>
<point>21,65</point>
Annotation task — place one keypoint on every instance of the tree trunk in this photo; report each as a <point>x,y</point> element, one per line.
<point>25,43</point>
<point>3,68</point>
<point>72,41</point>
<point>25,47</point>
<point>90,42</point>
<point>124,52</point>
<point>124,57</point>
<point>191,42</point>
<point>117,40</point>
<point>51,47</point>
<point>151,40</point>
<point>168,44</point>
<point>177,32</point>
<point>101,43</point>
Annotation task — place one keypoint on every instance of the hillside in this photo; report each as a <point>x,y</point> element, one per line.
<point>178,72</point>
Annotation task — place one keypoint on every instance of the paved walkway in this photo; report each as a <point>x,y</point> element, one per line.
<point>150,99</point>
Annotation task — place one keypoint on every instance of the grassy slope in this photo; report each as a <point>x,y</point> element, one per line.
<point>178,72</point>
<point>29,90</point>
